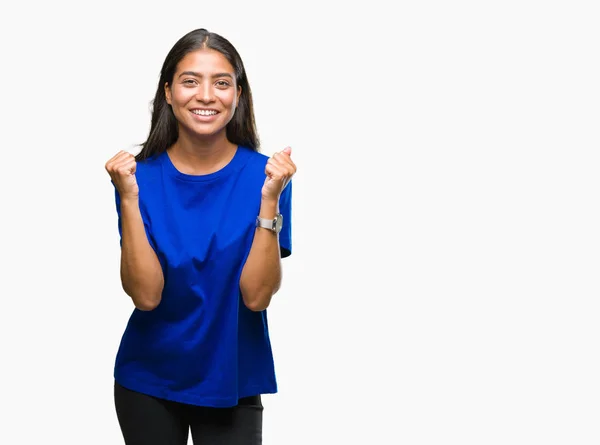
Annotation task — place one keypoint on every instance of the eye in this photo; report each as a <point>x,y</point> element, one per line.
<point>189,82</point>
<point>223,83</point>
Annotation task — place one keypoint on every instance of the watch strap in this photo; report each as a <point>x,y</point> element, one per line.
<point>270,224</point>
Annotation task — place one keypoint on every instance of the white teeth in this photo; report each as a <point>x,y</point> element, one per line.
<point>204,112</point>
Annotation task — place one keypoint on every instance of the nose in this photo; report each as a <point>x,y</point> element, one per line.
<point>205,92</point>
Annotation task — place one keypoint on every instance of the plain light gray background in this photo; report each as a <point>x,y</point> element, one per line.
<point>444,282</point>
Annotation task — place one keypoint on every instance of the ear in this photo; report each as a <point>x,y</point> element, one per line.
<point>168,92</point>
<point>239,93</point>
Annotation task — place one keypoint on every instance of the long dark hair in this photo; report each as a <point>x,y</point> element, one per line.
<point>241,130</point>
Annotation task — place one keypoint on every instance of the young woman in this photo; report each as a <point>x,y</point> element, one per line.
<point>204,221</point>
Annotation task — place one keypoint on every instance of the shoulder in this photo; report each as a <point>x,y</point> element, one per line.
<point>151,162</point>
<point>253,159</point>
<point>254,156</point>
<point>149,168</point>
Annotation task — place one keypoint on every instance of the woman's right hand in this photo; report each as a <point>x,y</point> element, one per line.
<point>121,169</point>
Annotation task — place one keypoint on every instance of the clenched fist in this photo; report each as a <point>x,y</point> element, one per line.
<point>279,170</point>
<point>121,169</point>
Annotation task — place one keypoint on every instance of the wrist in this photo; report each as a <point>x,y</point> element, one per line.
<point>129,201</point>
<point>269,208</point>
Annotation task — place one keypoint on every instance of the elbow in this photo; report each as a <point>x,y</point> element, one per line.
<point>146,304</point>
<point>144,301</point>
<point>256,305</point>
<point>258,301</point>
<point>257,294</point>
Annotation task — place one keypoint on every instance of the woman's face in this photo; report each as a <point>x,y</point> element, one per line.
<point>203,93</point>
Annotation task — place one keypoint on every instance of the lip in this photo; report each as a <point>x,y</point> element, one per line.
<point>201,118</point>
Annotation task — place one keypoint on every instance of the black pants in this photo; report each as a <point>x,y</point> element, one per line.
<point>147,420</point>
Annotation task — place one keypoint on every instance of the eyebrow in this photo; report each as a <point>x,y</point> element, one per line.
<point>195,74</point>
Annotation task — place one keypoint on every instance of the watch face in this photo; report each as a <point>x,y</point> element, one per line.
<point>279,223</point>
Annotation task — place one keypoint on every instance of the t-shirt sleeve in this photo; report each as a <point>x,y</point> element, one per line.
<point>285,208</point>
<point>144,218</point>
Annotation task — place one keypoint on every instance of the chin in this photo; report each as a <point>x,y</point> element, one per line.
<point>206,132</point>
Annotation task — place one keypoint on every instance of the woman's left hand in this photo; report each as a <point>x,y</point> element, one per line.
<point>279,170</point>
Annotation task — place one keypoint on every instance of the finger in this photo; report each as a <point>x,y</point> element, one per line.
<point>123,157</point>
<point>284,162</point>
<point>117,156</point>
<point>277,175</point>
<point>280,161</point>
<point>283,155</point>
<point>111,162</point>
<point>120,166</point>
<point>290,166</point>
<point>118,159</point>
<point>126,166</point>
<point>274,172</point>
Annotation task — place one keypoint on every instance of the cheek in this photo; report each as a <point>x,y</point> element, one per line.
<point>181,96</point>
<point>228,99</point>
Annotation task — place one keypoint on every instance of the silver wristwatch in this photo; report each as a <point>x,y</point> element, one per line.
<point>274,225</point>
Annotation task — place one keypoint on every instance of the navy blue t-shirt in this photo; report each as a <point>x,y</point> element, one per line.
<point>201,345</point>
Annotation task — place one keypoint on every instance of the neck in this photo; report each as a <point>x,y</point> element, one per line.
<point>201,156</point>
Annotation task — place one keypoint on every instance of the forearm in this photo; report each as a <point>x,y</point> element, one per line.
<point>261,275</point>
<point>141,272</point>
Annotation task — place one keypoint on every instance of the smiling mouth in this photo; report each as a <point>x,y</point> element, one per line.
<point>205,112</point>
